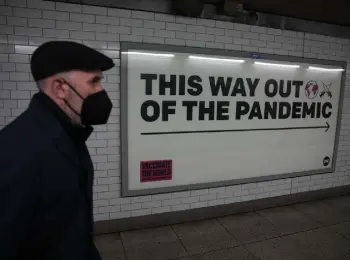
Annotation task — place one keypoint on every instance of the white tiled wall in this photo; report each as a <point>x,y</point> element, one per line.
<point>25,24</point>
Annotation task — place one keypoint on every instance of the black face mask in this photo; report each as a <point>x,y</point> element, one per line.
<point>96,107</point>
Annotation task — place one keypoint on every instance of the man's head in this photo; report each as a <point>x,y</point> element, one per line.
<point>69,90</point>
<point>70,74</point>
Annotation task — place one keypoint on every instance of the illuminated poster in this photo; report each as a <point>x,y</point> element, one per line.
<point>223,117</point>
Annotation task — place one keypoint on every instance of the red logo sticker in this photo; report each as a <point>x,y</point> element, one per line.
<point>311,89</point>
<point>158,170</point>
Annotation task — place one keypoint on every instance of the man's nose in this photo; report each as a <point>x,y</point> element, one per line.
<point>98,88</point>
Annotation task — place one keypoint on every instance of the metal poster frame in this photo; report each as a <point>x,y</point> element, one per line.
<point>127,46</point>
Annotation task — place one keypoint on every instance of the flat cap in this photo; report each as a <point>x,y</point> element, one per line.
<point>61,56</point>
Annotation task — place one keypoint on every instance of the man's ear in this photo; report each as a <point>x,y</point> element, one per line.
<point>59,88</point>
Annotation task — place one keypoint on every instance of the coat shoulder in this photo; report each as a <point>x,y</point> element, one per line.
<point>22,136</point>
<point>22,145</point>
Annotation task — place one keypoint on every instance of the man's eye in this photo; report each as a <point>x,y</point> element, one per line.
<point>95,81</point>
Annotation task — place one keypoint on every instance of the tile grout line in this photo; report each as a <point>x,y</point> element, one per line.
<point>122,240</point>
<point>228,231</point>
<point>343,236</point>
<point>322,225</point>
<point>317,221</point>
<point>201,254</point>
<point>303,246</point>
<point>307,216</point>
<point>244,244</point>
<point>183,245</point>
<point>257,241</point>
<point>282,235</point>
<point>288,234</point>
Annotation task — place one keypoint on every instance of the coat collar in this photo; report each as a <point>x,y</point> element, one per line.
<point>57,126</point>
<point>79,133</point>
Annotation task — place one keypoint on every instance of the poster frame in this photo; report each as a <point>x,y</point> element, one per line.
<point>127,46</point>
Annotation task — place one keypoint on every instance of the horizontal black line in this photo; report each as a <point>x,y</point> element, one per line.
<point>232,130</point>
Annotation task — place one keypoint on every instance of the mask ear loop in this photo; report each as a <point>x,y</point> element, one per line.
<point>76,92</point>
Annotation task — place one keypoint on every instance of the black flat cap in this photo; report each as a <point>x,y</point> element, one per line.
<point>61,56</point>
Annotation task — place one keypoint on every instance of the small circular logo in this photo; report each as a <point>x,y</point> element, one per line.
<point>326,161</point>
<point>311,89</point>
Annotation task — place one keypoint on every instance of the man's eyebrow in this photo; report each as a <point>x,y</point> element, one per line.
<point>96,79</point>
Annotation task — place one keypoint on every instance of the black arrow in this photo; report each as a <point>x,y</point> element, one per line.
<point>237,130</point>
<point>327,127</point>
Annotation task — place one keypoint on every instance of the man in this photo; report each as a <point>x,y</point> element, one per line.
<point>46,173</point>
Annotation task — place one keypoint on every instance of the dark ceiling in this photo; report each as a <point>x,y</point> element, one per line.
<point>328,11</point>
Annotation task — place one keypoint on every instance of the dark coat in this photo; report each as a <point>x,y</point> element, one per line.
<point>46,178</point>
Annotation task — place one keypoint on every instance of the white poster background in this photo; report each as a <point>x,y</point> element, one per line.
<point>212,157</point>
